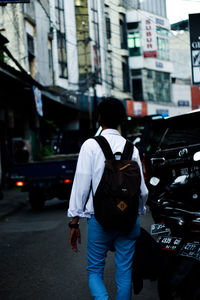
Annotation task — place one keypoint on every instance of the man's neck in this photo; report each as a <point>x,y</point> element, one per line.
<point>105,127</point>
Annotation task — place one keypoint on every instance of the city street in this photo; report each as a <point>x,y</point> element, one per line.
<point>37,262</point>
<point>75,69</point>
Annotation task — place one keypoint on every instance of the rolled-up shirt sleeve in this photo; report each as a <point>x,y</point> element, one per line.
<point>143,189</point>
<point>81,183</point>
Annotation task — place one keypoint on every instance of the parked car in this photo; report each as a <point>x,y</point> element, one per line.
<point>46,179</point>
<point>174,201</point>
<point>174,138</point>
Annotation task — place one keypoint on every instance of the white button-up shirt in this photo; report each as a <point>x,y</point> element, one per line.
<point>90,167</point>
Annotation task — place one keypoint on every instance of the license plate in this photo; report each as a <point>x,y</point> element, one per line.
<point>159,228</point>
<point>169,243</point>
<point>191,250</point>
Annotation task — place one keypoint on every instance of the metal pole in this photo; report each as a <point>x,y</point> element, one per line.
<point>86,41</point>
<point>94,119</point>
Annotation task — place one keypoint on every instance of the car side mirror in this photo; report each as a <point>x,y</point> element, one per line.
<point>154,181</point>
<point>196,156</point>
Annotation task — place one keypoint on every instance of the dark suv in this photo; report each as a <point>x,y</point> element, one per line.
<point>174,175</point>
<point>170,145</point>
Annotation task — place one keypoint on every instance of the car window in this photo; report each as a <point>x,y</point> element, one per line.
<point>177,137</point>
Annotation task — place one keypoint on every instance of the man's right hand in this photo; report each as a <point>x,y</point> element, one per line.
<point>74,235</point>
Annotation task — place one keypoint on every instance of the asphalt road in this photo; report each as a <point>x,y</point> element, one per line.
<point>36,262</point>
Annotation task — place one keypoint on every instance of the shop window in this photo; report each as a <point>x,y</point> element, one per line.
<point>123,33</point>
<point>159,76</point>
<point>163,48</point>
<point>108,28</point>
<point>156,86</point>
<point>110,72</point>
<point>125,68</point>
<point>150,96</point>
<point>31,54</point>
<point>136,72</point>
<point>50,59</point>
<point>166,76</point>
<point>61,38</point>
<point>134,44</point>
<point>149,74</point>
<point>132,25</point>
<point>137,89</point>
<point>162,31</point>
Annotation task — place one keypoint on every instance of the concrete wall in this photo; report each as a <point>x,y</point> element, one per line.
<point>116,53</point>
<point>170,110</point>
<point>12,27</point>
<point>182,93</point>
<point>71,45</point>
<point>42,58</point>
<point>179,45</point>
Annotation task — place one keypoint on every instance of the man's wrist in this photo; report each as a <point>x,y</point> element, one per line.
<point>74,223</point>
<point>75,220</point>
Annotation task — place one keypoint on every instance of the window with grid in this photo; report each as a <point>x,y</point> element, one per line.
<point>134,44</point>
<point>108,28</point>
<point>61,38</point>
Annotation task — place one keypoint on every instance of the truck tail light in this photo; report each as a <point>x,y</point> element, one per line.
<point>19,183</point>
<point>67,181</point>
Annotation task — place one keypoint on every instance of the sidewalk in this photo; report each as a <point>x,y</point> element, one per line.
<point>13,200</point>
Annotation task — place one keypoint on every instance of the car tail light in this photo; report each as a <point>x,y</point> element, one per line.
<point>67,181</point>
<point>19,183</point>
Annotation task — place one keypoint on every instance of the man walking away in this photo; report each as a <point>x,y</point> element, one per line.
<point>90,168</point>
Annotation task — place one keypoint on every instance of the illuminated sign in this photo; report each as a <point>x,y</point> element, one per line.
<point>194,24</point>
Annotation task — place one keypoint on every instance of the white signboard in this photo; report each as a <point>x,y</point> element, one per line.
<point>194,22</point>
<point>38,100</point>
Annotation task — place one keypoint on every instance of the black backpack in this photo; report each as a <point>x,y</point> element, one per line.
<point>116,199</point>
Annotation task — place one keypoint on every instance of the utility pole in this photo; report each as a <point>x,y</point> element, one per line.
<point>86,42</point>
<point>94,117</point>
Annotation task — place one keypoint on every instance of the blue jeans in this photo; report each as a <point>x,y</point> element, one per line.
<point>99,242</point>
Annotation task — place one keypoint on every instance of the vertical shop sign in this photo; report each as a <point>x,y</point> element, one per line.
<point>194,24</point>
<point>38,100</point>
<point>97,64</point>
<point>150,47</point>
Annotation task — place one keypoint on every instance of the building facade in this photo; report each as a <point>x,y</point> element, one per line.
<point>184,93</point>
<point>68,55</point>
<point>151,65</point>
<point>39,62</point>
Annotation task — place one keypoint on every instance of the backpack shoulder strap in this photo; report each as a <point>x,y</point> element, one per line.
<point>103,143</point>
<point>128,151</point>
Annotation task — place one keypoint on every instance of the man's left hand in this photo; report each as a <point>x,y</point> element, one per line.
<point>75,235</point>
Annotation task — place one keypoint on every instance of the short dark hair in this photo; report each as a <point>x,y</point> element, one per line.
<point>112,112</point>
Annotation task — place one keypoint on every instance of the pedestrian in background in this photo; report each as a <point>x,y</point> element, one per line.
<point>90,167</point>
<point>21,154</point>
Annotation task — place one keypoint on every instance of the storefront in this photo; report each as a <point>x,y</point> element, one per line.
<point>21,119</point>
